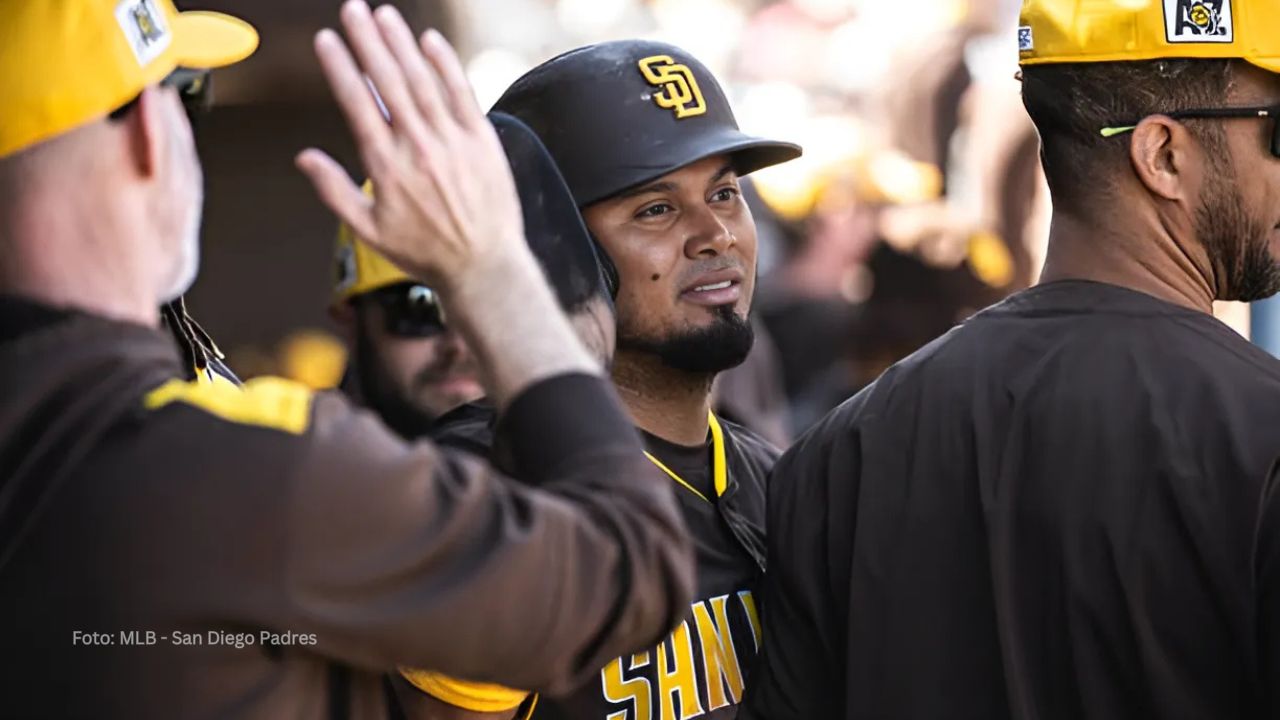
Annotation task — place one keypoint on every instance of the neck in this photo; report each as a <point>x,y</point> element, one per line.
<point>58,254</point>
<point>1145,258</point>
<point>672,404</point>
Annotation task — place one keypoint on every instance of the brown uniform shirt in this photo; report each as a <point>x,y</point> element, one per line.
<point>173,550</point>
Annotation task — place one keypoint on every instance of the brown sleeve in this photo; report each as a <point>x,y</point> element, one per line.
<point>413,555</point>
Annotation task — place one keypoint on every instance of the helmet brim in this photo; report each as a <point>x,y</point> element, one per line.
<point>747,153</point>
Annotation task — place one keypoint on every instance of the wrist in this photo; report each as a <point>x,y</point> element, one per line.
<point>508,314</point>
<point>510,268</point>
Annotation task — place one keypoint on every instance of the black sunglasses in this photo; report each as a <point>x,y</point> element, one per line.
<point>410,310</point>
<point>1272,113</point>
<point>195,87</point>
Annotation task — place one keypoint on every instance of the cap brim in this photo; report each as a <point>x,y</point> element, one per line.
<point>752,154</point>
<point>206,40</point>
<point>747,154</point>
<point>1270,64</point>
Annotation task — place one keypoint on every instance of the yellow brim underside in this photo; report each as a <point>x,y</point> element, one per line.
<point>205,40</point>
<point>1270,64</point>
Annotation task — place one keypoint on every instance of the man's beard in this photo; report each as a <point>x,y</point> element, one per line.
<point>714,348</point>
<point>380,395</point>
<point>1238,242</point>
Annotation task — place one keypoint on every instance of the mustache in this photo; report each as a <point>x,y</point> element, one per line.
<point>704,267</point>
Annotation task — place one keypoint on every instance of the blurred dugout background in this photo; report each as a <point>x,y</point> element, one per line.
<point>918,201</point>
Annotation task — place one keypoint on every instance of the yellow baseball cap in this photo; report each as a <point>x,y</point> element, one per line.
<point>64,63</point>
<point>360,268</point>
<point>1081,31</point>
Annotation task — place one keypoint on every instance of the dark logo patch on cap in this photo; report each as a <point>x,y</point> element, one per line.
<point>345,273</point>
<point>146,23</point>
<point>678,88</point>
<point>145,29</point>
<point>1198,21</point>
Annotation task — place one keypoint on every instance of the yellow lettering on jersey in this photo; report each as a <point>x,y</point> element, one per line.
<point>719,657</point>
<point>753,617</point>
<point>677,674</point>
<point>636,690</point>
<point>267,402</point>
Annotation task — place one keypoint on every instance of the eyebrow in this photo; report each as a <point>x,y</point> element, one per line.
<point>728,168</point>
<point>668,186</point>
<point>650,188</point>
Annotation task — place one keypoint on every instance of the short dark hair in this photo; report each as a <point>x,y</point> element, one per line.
<point>1071,103</point>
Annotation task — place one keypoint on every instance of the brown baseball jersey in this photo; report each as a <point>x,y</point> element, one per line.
<point>174,549</point>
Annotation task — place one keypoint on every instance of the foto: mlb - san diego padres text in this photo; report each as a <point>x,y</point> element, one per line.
<point>238,640</point>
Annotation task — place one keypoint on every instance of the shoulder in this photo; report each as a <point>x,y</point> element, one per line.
<point>266,403</point>
<point>1225,349</point>
<point>747,445</point>
<point>270,413</point>
<point>829,450</point>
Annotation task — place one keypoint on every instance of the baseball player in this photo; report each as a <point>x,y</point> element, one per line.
<point>584,290</point>
<point>648,144</point>
<point>176,548</point>
<point>1053,511</point>
<point>567,255</point>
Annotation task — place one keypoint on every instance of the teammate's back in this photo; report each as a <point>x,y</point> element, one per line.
<point>1049,512</point>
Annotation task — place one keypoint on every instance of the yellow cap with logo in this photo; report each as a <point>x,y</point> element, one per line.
<point>1081,31</point>
<point>65,63</point>
<point>360,268</point>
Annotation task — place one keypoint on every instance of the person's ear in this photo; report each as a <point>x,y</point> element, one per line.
<point>147,126</point>
<point>343,315</point>
<point>1167,158</point>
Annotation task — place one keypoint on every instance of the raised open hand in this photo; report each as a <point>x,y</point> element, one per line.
<point>445,208</point>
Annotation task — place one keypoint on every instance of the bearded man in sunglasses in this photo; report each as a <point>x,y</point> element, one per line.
<point>406,364</point>
<point>1053,511</point>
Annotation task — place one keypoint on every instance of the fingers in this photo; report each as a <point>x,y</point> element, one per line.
<point>369,128</point>
<point>446,203</point>
<point>458,93</point>
<point>381,66</point>
<point>423,84</point>
<point>339,193</point>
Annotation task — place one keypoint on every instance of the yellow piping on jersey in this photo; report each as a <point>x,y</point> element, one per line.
<point>266,402</point>
<point>719,469</point>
